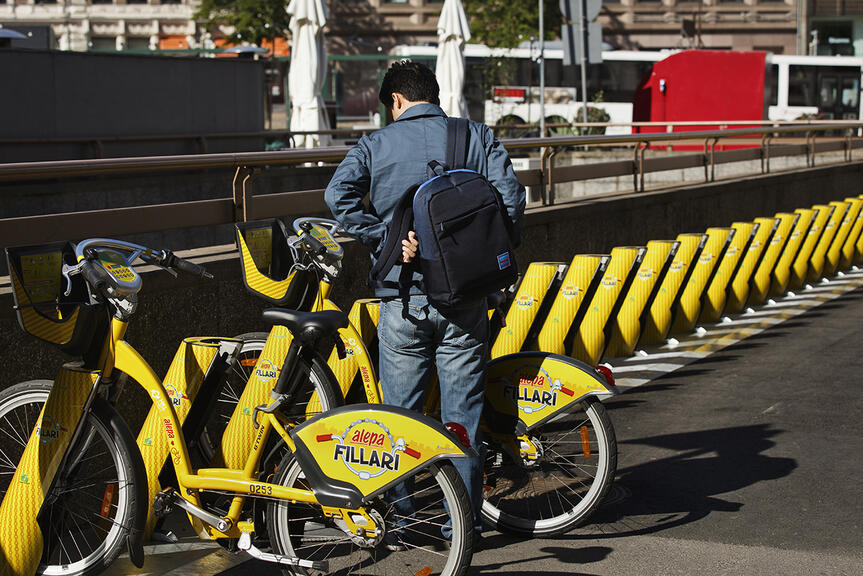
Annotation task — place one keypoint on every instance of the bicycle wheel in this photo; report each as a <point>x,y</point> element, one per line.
<point>321,393</point>
<point>87,514</point>
<point>564,486</point>
<point>408,545</point>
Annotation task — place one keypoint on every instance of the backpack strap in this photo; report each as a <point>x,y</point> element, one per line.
<point>458,140</point>
<point>400,225</point>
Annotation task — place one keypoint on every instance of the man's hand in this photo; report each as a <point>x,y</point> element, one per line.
<point>409,247</point>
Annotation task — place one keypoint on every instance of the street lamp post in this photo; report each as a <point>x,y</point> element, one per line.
<point>541,70</point>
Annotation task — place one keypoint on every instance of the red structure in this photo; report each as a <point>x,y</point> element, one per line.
<point>697,85</point>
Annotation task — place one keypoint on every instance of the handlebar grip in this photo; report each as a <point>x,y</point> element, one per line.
<point>185,266</point>
<point>97,277</point>
<point>315,245</point>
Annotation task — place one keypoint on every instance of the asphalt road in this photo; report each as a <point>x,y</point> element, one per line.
<point>743,460</point>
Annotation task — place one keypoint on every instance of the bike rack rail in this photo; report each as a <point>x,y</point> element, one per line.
<point>244,205</point>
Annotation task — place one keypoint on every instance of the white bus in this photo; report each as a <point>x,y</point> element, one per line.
<point>826,87</point>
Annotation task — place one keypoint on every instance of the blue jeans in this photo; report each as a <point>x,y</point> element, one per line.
<point>414,337</point>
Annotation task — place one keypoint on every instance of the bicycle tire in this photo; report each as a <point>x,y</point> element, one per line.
<point>564,487</point>
<point>79,540</point>
<point>321,378</point>
<point>302,530</point>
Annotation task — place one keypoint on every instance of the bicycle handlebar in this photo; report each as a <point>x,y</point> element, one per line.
<point>171,260</point>
<point>164,258</point>
<point>97,277</point>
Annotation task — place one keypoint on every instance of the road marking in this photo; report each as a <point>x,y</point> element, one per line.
<point>652,362</point>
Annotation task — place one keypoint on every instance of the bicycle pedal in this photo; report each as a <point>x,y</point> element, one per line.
<point>162,505</point>
<point>245,544</point>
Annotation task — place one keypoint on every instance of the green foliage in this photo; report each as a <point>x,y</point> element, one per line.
<point>505,23</point>
<point>253,20</point>
<point>594,114</point>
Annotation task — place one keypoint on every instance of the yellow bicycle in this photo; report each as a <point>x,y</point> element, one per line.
<point>551,451</point>
<point>327,504</point>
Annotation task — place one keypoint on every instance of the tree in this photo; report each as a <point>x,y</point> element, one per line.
<point>252,20</point>
<point>505,23</point>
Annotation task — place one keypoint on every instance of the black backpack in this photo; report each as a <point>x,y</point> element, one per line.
<point>464,232</point>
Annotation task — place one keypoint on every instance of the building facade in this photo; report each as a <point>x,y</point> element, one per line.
<point>82,25</point>
<point>362,26</point>
<point>823,27</point>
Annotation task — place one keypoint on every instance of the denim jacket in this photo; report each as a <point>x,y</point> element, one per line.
<point>384,164</point>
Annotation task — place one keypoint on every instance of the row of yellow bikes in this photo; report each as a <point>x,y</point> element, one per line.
<point>273,443</point>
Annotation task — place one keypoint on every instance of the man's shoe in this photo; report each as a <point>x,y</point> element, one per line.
<point>393,542</point>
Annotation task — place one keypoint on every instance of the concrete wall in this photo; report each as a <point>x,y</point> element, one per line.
<point>171,309</point>
<point>51,94</point>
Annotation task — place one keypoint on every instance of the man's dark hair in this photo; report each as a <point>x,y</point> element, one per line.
<point>416,81</point>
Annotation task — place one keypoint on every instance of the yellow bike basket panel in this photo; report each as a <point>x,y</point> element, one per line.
<point>534,288</point>
<point>689,303</point>
<point>844,217</point>
<point>658,319</point>
<point>70,322</point>
<point>576,290</point>
<point>855,214</point>
<point>782,271</point>
<point>763,277</point>
<point>627,324</point>
<point>20,536</point>
<point>800,268</point>
<point>818,259</point>
<point>716,294</point>
<point>590,338</point>
<point>266,264</point>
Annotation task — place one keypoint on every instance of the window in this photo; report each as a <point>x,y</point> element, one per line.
<point>828,91</point>
<point>801,85</point>
<point>138,44</point>
<point>850,92</point>
<point>103,43</point>
<point>771,85</point>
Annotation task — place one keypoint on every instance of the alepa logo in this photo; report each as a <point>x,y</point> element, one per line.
<point>175,394</point>
<point>367,449</point>
<point>524,301</point>
<point>570,291</point>
<point>534,390</point>
<point>48,430</point>
<point>266,370</point>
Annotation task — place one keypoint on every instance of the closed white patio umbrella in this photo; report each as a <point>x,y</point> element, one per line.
<point>453,31</point>
<point>308,70</point>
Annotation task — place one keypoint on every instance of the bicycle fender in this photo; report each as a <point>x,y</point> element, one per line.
<point>20,537</point>
<point>354,453</point>
<point>525,390</point>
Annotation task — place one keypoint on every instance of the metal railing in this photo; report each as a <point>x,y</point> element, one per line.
<point>749,144</point>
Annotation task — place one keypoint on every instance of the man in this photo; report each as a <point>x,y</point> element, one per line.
<point>413,333</point>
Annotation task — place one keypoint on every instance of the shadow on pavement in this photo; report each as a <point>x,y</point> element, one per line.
<point>706,468</point>
<point>564,554</point>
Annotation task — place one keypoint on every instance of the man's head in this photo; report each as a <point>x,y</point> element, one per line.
<point>407,83</point>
